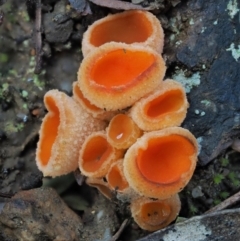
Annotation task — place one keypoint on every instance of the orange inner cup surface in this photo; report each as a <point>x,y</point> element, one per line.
<point>120,67</point>
<point>96,152</point>
<point>155,213</point>
<point>165,159</point>
<point>116,180</point>
<point>130,28</point>
<point>87,103</point>
<point>120,128</point>
<point>49,130</point>
<point>168,102</point>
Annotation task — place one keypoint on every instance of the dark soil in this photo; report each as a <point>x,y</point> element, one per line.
<point>201,50</point>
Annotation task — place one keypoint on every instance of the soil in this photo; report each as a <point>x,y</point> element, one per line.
<point>193,47</point>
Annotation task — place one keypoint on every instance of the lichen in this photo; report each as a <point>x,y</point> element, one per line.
<point>232,8</point>
<point>187,82</point>
<point>235,52</point>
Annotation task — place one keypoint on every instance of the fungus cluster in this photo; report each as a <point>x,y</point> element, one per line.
<point>121,126</point>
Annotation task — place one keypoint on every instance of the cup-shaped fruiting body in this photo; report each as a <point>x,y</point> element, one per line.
<point>116,75</point>
<point>95,111</point>
<point>101,185</point>
<point>116,178</point>
<point>153,215</point>
<point>97,155</point>
<point>164,107</point>
<point>161,163</point>
<point>122,132</point>
<point>130,27</point>
<point>63,131</point>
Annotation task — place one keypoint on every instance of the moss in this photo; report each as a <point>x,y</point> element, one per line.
<point>224,195</point>
<point>3,58</point>
<point>224,162</point>
<point>234,179</point>
<point>217,178</point>
<point>10,127</point>
<point>3,90</point>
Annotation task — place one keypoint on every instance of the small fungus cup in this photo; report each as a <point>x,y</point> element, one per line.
<point>101,185</point>
<point>63,131</point>
<point>93,110</point>
<point>116,75</point>
<point>161,163</point>
<point>130,27</point>
<point>153,215</point>
<point>122,132</point>
<point>116,178</point>
<point>164,107</point>
<point>97,155</point>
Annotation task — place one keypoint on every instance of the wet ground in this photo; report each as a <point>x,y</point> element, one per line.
<point>202,51</point>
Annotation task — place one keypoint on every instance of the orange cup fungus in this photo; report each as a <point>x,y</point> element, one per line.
<point>122,132</point>
<point>123,68</point>
<point>62,133</point>
<point>164,107</point>
<point>97,155</point>
<point>101,185</point>
<point>161,163</point>
<point>130,27</point>
<point>116,178</point>
<point>95,111</point>
<point>152,215</point>
<point>116,75</point>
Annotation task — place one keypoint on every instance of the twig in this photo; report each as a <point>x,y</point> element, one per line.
<point>117,4</point>
<point>226,203</point>
<point>5,195</point>
<point>79,177</point>
<point>38,37</point>
<point>118,233</point>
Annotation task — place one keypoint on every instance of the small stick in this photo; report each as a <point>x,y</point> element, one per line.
<point>79,177</point>
<point>226,203</point>
<point>38,38</point>
<point>5,195</point>
<point>118,233</point>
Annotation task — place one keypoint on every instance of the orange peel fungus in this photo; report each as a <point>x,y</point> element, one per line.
<point>130,27</point>
<point>122,132</point>
<point>97,155</point>
<point>116,178</point>
<point>152,215</point>
<point>165,107</point>
<point>101,185</point>
<point>161,163</point>
<point>62,133</point>
<point>116,75</point>
<point>95,111</point>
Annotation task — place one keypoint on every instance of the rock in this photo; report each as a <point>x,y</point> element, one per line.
<point>57,25</point>
<point>219,226</point>
<point>204,43</point>
<point>38,214</point>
